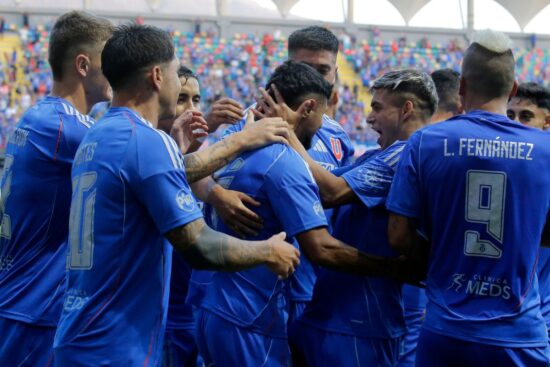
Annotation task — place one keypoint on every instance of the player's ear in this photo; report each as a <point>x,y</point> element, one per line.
<point>82,64</point>
<point>407,110</point>
<point>306,108</point>
<point>156,77</point>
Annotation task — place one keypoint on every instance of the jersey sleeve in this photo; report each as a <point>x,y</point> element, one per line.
<point>293,194</point>
<point>161,184</point>
<point>370,181</point>
<point>404,195</point>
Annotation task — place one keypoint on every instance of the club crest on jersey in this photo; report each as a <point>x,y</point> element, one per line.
<point>185,201</point>
<point>336,148</point>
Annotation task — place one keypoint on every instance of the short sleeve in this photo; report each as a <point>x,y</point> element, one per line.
<point>169,200</point>
<point>161,184</point>
<point>370,181</point>
<point>404,196</point>
<point>293,194</point>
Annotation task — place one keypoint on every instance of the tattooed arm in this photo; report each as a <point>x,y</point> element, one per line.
<point>205,248</point>
<point>254,135</point>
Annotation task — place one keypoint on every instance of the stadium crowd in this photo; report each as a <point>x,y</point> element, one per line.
<point>237,66</point>
<point>251,234</point>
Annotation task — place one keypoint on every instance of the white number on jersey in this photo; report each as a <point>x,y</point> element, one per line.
<point>485,198</point>
<point>81,222</point>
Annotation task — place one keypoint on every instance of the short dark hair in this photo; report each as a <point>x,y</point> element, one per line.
<point>488,73</point>
<point>296,80</point>
<point>131,49</point>
<point>447,84</point>
<point>73,33</point>
<point>313,38</point>
<point>413,85</point>
<point>536,93</point>
<point>185,72</point>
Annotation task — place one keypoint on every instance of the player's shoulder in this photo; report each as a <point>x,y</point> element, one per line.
<point>391,155</point>
<point>331,127</point>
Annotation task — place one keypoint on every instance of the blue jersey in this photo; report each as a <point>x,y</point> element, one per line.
<point>369,307</point>
<point>129,189</point>
<point>36,196</point>
<point>278,178</point>
<point>331,148</point>
<point>473,181</point>
<point>544,283</point>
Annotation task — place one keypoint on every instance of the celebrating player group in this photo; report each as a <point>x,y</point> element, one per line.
<point>250,236</point>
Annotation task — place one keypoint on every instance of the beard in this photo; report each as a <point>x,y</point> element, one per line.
<point>306,142</point>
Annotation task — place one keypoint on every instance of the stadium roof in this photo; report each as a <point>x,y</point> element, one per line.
<point>529,16</point>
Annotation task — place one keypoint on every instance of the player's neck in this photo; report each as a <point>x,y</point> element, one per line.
<point>497,106</point>
<point>72,92</point>
<point>146,108</point>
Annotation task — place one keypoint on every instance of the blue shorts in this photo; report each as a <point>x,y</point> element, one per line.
<point>25,345</point>
<point>436,350</point>
<point>180,349</point>
<point>319,348</point>
<point>222,343</point>
<point>414,320</point>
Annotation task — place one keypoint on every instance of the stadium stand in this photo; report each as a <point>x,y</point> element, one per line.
<point>235,67</point>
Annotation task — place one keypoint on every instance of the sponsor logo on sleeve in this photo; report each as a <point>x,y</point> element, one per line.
<point>185,201</point>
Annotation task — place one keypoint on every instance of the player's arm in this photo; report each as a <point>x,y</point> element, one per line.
<point>254,135</point>
<point>205,248</point>
<point>324,250</point>
<point>404,239</point>
<point>232,207</point>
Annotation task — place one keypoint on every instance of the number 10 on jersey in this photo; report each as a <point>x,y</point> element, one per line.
<point>81,222</point>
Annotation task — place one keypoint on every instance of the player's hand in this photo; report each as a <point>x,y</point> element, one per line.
<point>256,134</point>
<point>224,111</point>
<point>188,128</point>
<point>284,258</point>
<point>231,207</point>
<point>267,107</point>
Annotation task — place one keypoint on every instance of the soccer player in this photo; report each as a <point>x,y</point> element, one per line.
<point>355,320</point>
<point>447,82</point>
<point>36,190</point>
<point>179,343</point>
<point>330,147</point>
<point>130,193</point>
<point>471,182</point>
<point>250,305</point>
<point>531,106</point>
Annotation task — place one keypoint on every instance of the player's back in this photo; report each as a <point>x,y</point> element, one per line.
<point>483,185</point>
<point>119,262</point>
<point>36,195</point>
<point>279,179</point>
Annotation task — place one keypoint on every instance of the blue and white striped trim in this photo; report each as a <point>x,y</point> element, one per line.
<point>172,148</point>
<point>83,119</point>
